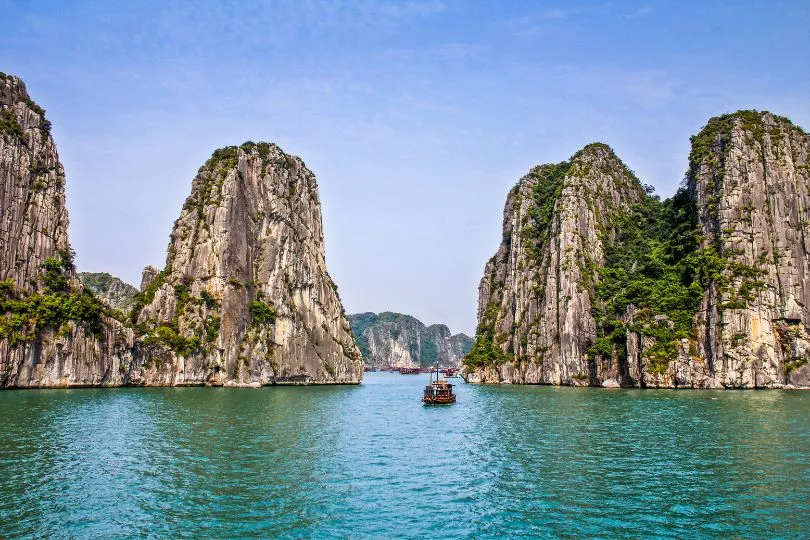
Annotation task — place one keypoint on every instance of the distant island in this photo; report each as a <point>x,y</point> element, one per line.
<point>393,340</point>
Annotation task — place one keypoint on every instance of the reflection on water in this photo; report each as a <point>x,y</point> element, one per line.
<point>372,461</point>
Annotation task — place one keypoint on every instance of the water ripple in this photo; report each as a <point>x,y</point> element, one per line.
<point>370,461</point>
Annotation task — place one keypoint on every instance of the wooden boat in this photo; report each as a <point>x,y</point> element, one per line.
<point>409,371</point>
<point>450,372</point>
<point>438,392</point>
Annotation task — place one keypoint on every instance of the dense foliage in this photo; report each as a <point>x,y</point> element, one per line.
<point>24,315</point>
<point>262,313</point>
<point>10,126</point>
<point>486,349</point>
<point>359,322</point>
<point>652,264</point>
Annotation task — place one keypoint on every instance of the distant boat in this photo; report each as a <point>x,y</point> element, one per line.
<point>450,372</point>
<point>438,392</point>
<point>409,371</point>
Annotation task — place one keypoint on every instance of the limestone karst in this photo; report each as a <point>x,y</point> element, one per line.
<point>244,299</point>
<point>110,289</point>
<point>599,282</point>
<point>245,294</point>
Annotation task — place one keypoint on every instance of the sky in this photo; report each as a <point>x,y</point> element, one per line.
<point>416,116</point>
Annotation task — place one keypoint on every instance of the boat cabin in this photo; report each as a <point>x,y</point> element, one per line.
<point>439,392</point>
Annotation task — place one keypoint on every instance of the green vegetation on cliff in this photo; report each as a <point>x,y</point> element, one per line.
<point>548,183</point>
<point>650,264</point>
<point>24,315</point>
<point>546,188</point>
<point>110,289</point>
<point>662,264</point>
<point>659,258</point>
<point>262,313</point>
<point>359,323</point>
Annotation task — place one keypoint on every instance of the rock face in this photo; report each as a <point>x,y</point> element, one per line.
<point>597,282</point>
<point>34,219</point>
<point>52,332</point>
<point>534,317</point>
<point>392,340</point>
<point>750,176</point>
<point>114,292</point>
<point>245,298</point>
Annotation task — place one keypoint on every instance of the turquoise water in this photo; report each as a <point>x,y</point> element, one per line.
<point>371,461</point>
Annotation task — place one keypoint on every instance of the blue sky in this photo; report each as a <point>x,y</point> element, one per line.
<point>416,116</point>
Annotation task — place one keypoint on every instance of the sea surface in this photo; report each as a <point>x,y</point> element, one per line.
<point>372,461</point>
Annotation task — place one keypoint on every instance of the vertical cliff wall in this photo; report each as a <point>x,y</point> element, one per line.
<point>707,289</point>
<point>750,176</point>
<point>393,340</point>
<point>52,332</point>
<point>245,295</point>
<point>34,219</point>
<point>535,321</point>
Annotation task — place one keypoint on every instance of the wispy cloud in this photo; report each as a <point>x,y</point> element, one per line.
<point>539,22</point>
<point>648,88</point>
<point>444,51</point>
<point>641,12</point>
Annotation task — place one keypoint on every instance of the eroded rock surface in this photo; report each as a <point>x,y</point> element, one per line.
<point>245,296</point>
<point>535,322</point>
<point>52,331</point>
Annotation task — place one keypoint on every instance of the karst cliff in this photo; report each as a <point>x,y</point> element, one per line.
<point>244,299</point>
<point>245,294</point>
<point>392,340</point>
<point>599,282</point>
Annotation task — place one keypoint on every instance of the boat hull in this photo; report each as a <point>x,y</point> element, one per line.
<point>439,400</point>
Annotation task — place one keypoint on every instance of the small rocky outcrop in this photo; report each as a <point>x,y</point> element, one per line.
<point>599,282</point>
<point>393,340</point>
<point>111,290</point>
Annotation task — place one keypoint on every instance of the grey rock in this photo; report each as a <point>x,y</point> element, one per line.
<point>246,278</point>
<point>33,229</point>
<point>532,305</point>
